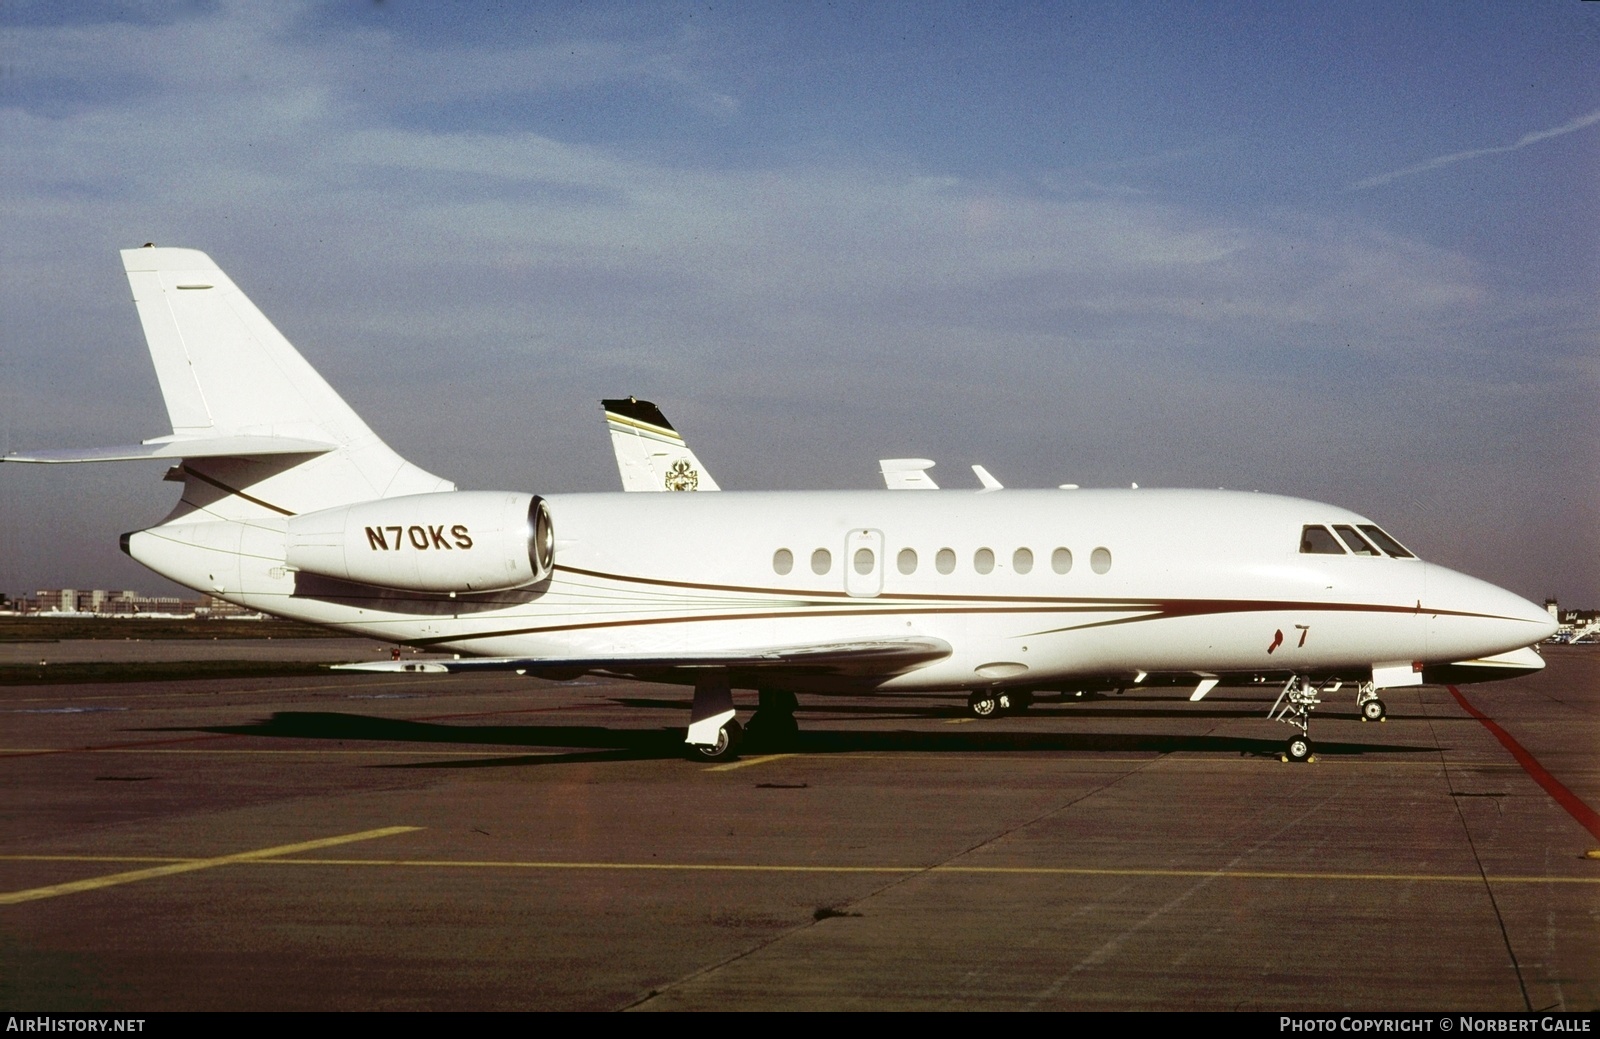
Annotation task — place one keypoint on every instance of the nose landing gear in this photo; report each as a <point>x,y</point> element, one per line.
<point>1367,702</point>
<point>1294,705</point>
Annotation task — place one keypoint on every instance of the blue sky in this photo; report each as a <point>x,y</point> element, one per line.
<point>1348,252</point>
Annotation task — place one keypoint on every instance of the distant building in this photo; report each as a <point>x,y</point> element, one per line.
<point>98,602</point>
<point>1574,625</point>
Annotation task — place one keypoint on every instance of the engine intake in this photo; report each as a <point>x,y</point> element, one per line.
<point>455,541</point>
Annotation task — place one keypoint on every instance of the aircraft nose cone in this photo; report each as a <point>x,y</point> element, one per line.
<point>1470,618</point>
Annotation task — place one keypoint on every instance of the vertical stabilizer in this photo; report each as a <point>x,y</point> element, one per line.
<point>651,455</point>
<point>225,371</point>
<point>907,474</point>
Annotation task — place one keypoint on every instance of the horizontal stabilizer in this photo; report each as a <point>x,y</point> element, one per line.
<point>178,447</point>
<point>884,656</point>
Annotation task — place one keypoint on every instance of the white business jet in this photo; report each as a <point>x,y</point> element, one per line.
<point>293,506</point>
<point>652,456</point>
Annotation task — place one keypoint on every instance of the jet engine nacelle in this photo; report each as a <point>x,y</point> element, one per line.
<point>455,541</point>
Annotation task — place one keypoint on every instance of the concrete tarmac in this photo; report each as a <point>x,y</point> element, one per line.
<point>495,842</point>
<point>136,650</point>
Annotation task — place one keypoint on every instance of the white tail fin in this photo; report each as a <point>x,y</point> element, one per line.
<point>907,474</point>
<point>651,455</point>
<point>229,376</point>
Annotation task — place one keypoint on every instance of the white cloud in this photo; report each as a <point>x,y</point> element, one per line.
<point>520,274</point>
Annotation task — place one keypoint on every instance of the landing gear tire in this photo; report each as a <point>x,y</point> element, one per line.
<point>1298,748</point>
<point>725,749</point>
<point>984,705</point>
<point>776,731</point>
<point>1373,711</point>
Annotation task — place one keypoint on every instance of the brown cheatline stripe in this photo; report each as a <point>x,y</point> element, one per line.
<point>219,485</point>
<point>1160,611</point>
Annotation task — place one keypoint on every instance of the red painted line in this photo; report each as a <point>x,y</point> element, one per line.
<point>1587,817</point>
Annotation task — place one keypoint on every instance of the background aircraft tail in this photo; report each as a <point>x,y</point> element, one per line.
<point>651,455</point>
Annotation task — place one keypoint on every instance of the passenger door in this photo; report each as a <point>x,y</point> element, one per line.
<point>863,562</point>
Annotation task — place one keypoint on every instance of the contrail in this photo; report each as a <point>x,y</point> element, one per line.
<point>1445,160</point>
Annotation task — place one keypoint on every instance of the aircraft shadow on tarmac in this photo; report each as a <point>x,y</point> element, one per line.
<point>1046,710</point>
<point>591,743</point>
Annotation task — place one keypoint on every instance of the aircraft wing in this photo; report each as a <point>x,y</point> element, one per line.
<point>867,657</point>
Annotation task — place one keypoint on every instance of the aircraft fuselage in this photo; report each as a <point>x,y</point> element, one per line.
<point>1027,587</point>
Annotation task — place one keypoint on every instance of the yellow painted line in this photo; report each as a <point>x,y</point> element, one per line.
<point>1058,871</point>
<point>1090,758</point>
<point>744,762</point>
<point>97,858</point>
<point>277,857</point>
<point>113,879</point>
<point>960,721</point>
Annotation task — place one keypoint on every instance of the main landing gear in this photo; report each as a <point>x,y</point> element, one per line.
<point>716,735</point>
<point>773,727</point>
<point>987,703</point>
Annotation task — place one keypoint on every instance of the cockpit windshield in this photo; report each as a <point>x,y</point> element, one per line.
<point>1385,542</point>
<point>1357,543</point>
<point>1317,540</point>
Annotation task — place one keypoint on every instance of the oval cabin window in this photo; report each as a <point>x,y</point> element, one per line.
<point>1022,560</point>
<point>821,561</point>
<point>782,561</point>
<point>1061,560</point>
<point>983,560</point>
<point>907,561</point>
<point>945,561</point>
<point>1100,560</point>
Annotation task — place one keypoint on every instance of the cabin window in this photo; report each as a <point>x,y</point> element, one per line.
<point>1316,541</point>
<point>1357,543</point>
<point>907,561</point>
<point>983,560</point>
<point>1061,560</point>
<point>945,561</point>
<point>1100,560</point>
<point>782,561</point>
<point>1385,542</point>
<point>821,561</point>
<point>1022,560</point>
<point>865,561</point>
